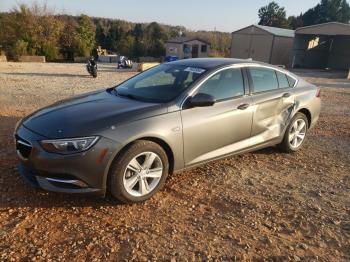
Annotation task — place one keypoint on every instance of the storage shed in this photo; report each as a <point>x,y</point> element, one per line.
<point>263,43</point>
<point>322,46</point>
<point>187,47</point>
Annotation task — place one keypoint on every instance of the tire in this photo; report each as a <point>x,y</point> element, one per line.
<point>289,146</point>
<point>94,72</point>
<point>122,172</point>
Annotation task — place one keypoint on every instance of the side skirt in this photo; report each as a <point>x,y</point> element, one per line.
<point>250,149</point>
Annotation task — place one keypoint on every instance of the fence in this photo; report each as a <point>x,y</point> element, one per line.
<point>28,58</point>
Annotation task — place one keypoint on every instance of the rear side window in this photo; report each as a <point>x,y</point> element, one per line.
<point>264,79</point>
<point>282,80</point>
<point>291,81</point>
<point>224,84</point>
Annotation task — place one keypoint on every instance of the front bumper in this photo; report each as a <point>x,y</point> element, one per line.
<point>84,172</point>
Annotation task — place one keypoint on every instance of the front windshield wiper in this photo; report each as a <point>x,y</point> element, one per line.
<point>133,97</point>
<point>124,94</point>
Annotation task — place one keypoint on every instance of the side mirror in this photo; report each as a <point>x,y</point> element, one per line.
<point>201,100</point>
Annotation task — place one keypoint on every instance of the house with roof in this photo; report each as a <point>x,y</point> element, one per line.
<point>187,47</point>
<point>263,43</point>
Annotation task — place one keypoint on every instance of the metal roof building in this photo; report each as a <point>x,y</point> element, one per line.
<point>263,43</point>
<point>322,46</point>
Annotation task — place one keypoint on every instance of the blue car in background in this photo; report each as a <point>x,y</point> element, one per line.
<point>171,58</point>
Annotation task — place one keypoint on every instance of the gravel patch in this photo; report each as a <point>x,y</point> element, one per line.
<point>260,206</point>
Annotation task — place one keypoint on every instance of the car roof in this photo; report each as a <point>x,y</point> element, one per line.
<point>210,63</point>
<point>216,63</point>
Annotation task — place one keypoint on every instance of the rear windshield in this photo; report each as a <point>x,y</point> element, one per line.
<point>160,84</point>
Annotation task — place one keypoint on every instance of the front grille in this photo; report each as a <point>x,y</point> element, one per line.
<point>24,148</point>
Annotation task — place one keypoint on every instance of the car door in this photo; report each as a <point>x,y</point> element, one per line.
<point>213,131</point>
<point>273,103</point>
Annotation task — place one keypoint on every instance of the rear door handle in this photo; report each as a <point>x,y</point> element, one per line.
<point>285,95</point>
<point>243,106</point>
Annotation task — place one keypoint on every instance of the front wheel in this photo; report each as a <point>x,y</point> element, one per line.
<point>295,134</point>
<point>139,172</point>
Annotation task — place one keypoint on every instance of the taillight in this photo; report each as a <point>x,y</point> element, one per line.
<point>318,92</point>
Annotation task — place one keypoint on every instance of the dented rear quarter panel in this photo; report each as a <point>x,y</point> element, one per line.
<point>305,98</point>
<point>272,114</point>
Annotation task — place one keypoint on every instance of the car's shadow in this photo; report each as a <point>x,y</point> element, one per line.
<point>26,197</point>
<point>267,151</point>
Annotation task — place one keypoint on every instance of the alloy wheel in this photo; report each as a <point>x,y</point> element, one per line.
<point>297,133</point>
<point>143,174</point>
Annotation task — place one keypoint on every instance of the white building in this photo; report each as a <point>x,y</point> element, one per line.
<point>186,47</point>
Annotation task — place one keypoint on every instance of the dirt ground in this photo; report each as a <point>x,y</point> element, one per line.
<point>261,206</point>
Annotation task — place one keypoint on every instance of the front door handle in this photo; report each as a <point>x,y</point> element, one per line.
<point>285,95</point>
<point>243,106</point>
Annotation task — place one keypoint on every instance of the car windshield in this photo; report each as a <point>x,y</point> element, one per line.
<point>160,84</point>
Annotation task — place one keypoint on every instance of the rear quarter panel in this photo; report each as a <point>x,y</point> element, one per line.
<point>305,98</point>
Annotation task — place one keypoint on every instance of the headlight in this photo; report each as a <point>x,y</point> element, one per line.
<point>69,145</point>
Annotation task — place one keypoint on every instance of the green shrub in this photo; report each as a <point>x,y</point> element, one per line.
<point>49,51</point>
<point>20,48</point>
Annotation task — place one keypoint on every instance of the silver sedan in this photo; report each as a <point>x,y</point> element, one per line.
<point>127,139</point>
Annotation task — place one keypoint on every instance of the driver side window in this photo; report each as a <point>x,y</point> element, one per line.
<point>224,84</point>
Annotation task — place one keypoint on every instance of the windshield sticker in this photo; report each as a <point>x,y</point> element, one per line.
<point>194,70</point>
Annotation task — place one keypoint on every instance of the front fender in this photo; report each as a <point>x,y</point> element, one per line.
<point>166,127</point>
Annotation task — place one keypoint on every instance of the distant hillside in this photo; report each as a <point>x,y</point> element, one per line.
<point>33,30</point>
<point>220,41</point>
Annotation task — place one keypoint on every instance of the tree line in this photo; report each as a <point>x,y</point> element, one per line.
<point>36,30</point>
<point>326,11</point>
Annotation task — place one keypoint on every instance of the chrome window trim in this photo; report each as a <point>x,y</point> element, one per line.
<point>205,79</point>
<point>279,80</point>
<point>235,66</point>
<point>276,69</point>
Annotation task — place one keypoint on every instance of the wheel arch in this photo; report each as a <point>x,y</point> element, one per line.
<point>164,145</point>
<point>166,148</point>
<point>307,113</point>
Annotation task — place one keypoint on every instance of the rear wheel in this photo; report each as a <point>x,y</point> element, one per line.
<point>94,72</point>
<point>295,134</point>
<point>139,172</point>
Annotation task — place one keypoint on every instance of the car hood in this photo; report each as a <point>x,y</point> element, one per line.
<point>88,114</point>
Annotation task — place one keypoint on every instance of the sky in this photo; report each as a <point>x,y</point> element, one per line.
<point>222,15</point>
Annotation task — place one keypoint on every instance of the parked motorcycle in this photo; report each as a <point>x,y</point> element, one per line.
<point>124,62</point>
<point>91,67</point>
